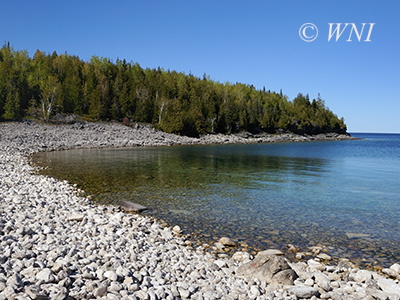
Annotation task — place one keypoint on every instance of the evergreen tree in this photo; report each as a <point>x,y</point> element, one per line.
<point>12,107</point>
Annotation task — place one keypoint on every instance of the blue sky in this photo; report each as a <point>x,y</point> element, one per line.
<point>253,42</point>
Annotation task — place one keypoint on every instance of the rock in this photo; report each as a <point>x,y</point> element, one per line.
<point>270,252</point>
<point>227,242</point>
<point>390,273</point>
<point>112,296</point>
<point>270,268</point>
<point>90,286</point>
<point>377,294</point>
<point>133,287</point>
<point>304,292</point>
<point>323,281</point>
<point>185,294</point>
<point>241,256</point>
<point>292,248</point>
<point>219,246</point>
<point>255,290</point>
<point>352,235</point>
<point>35,292</point>
<point>62,294</point>
<point>344,265</point>
<point>314,266</point>
<point>46,275</point>
<point>177,229</point>
<point>324,256</point>
<point>128,280</point>
<point>87,275</point>
<point>309,282</point>
<point>389,286</point>
<point>114,287</point>
<point>76,217</point>
<point>111,275</point>
<point>130,206</point>
<point>335,296</point>
<point>8,293</point>
<point>100,291</point>
<point>19,254</point>
<point>15,280</point>
<point>325,285</point>
<point>220,263</point>
<point>395,267</point>
<point>141,294</point>
<point>361,276</point>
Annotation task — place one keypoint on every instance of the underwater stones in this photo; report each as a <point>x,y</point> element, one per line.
<point>352,235</point>
<point>130,206</point>
<point>292,248</point>
<point>324,256</point>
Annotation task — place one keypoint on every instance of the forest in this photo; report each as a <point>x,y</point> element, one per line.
<point>48,84</point>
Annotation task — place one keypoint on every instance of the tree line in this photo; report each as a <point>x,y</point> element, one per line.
<point>47,84</point>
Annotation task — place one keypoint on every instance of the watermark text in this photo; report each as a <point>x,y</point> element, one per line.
<point>309,32</point>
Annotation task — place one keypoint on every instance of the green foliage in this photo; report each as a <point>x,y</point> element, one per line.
<point>174,102</point>
<point>12,108</point>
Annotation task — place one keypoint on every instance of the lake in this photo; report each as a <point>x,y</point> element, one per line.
<point>343,195</point>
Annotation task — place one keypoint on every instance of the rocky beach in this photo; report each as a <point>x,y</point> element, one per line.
<point>57,244</point>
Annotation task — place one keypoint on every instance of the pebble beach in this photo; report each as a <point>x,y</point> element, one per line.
<point>57,244</point>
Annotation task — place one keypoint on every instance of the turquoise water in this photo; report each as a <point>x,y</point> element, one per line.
<point>343,195</point>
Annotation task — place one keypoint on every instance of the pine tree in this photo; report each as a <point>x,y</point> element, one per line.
<point>12,107</point>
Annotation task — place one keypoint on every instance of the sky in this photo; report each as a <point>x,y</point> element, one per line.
<point>252,42</point>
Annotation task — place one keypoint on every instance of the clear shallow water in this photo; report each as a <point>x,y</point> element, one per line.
<point>267,195</point>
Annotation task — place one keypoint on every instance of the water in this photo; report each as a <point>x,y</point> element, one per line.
<point>343,195</point>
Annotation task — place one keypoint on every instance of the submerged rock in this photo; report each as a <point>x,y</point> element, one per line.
<point>352,235</point>
<point>130,206</point>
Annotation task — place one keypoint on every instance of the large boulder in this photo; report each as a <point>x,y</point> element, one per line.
<point>270,268</point>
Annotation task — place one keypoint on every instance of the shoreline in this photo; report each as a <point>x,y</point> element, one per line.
<point>93,260</point>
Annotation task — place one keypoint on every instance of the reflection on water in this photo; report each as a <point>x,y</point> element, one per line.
<point>266,195</point>
<point>183,167</point>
